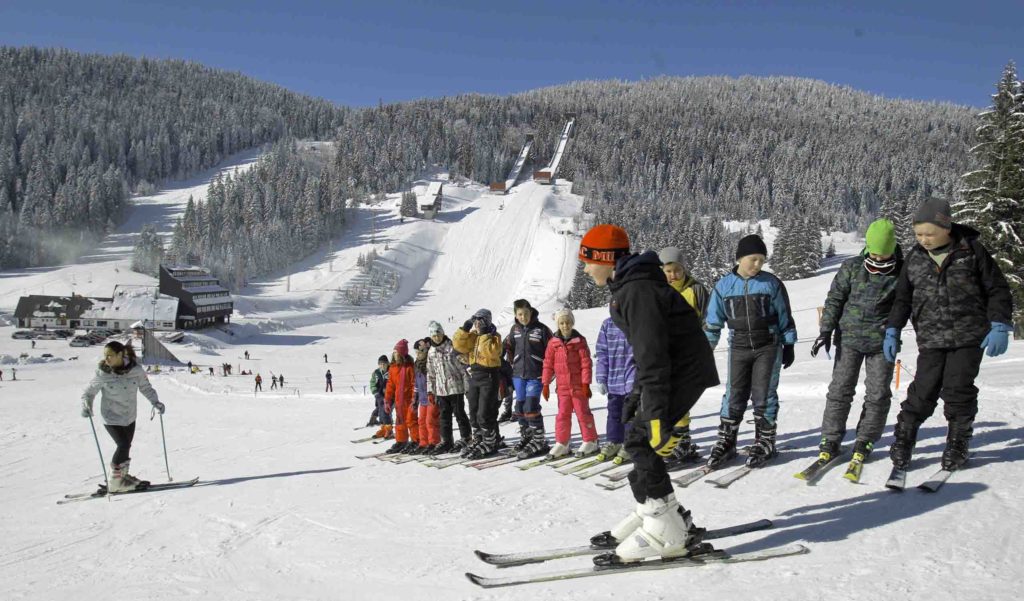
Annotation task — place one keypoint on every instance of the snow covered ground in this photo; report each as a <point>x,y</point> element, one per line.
<point>285,510</point>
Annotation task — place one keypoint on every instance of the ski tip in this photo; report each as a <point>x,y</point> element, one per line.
<point>474,578</point>
<point>800,476</point>
<point>482,555</point>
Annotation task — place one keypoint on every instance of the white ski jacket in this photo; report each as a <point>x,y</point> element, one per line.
<point>120,393</point>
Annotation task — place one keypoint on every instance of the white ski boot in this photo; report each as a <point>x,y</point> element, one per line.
<point>559,450</point>
<point>666,532</point>
<point>122,481</point>
<point>609,539</point>
<point>587,448</point>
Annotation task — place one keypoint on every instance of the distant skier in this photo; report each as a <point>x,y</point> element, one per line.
<point>329,382</point>
<point>119,379</point>
<point>259,383</point>
<point>755,305</point>
<point>325,357</point>
<point>961,308</point>
<point>246,354</point>
<point>856,309</point>
<point>280,380</point>
<point>674,365</point>
<point>273,382</point>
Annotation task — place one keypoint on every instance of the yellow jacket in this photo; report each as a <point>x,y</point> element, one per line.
<point>693,293</point>
<point>481,349</point>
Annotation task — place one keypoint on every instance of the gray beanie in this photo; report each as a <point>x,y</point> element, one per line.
<point>935,210</point>
<point>670,254</point>
<point>484,315</point>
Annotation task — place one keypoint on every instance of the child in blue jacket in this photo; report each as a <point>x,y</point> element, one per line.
<point>755,305</point>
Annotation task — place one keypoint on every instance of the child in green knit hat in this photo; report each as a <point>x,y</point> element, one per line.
<point>853,321</point>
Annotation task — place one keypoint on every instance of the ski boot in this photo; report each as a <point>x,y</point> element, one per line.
<point>621,457</point>
<point>686,451</point>
<point>443,448</point>
<point>666,531</point>
<point>538,445</point>
<point>861,450</point>
<point>382,432</point>
<point>609,450</point>
<point>559,450</point>
<point>609,539</point>
<point>586,449</point>
<point>958,439</point>
<point>725,446</point>
<point>506,412</point>
<point>906,437</point>
<point>487,447</point>
<point>827,449</point>
<point>122,481</point>
<point>524,439</point>
<point>763,448</point>
<point>398,447</point>
<point>469,445</point>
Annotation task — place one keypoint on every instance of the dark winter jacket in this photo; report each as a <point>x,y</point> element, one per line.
<point>858,304</point>
<point>756,309</point>
<point>525,347</point>
<point>378,381</point>
<point>671,353</point>
<point>952,306</point>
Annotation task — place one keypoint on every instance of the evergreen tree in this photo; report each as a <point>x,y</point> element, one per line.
<point>993,201</point>
<point>149,251</point>
<point>409,204</point>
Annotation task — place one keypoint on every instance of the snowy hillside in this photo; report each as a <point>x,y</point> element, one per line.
<point>285,510</point>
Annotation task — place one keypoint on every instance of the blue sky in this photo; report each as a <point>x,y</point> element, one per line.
<point>358,53</point>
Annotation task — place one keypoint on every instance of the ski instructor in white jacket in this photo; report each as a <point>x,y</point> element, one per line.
<point>120,378</point>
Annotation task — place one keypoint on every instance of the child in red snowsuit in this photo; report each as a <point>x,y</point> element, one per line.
<point>429,415</point>
<point>399,394</point>
<point>567,360</point>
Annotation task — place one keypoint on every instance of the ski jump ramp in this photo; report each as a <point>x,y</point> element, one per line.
<point>513,175</point>
<point>547,174</point>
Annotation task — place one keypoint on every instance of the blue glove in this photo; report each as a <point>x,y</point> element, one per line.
<point>997,340</point>
<point>891,345</point>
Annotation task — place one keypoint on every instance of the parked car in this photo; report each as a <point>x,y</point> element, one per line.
<point>46,356</point>
<point>23,335</point>
<point>80,341</point>
<point>64,333</point>
<point>45,336</point>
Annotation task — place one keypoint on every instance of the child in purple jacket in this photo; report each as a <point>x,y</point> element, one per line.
<point>616,372</point>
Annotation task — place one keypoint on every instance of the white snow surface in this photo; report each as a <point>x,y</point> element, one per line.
<point>284,510</point>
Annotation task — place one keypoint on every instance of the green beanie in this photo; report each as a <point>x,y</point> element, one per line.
<point>881,237</point>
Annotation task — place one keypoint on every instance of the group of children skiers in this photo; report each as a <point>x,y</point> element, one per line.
<point>654,361</point>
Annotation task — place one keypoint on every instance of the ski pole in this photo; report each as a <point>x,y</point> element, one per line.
<point>103,464</point>
<point>164,439</point>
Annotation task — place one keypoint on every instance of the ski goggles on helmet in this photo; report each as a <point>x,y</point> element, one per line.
<point>879,266</point>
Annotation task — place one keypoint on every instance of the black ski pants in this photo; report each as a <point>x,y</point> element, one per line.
<point>123,436</point>
<point>649,478</point>
<point>482,394</point>
<point>453,406</point>
<point>945,373</point>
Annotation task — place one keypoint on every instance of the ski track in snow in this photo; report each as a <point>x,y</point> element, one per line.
<point>285,511</point>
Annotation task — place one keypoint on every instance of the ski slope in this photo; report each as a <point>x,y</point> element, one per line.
<point>284,510</point>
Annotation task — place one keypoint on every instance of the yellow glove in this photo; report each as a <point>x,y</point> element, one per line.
<point>664,440</point>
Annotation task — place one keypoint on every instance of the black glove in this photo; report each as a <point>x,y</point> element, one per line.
<point>630,407</point>
<point>824,340</point>
<point>788,356</point>
<point>468,325</point>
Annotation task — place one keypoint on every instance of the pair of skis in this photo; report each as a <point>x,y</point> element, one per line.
<point>102,491</point>
<point>506,560</point>
<point>898,480</point>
